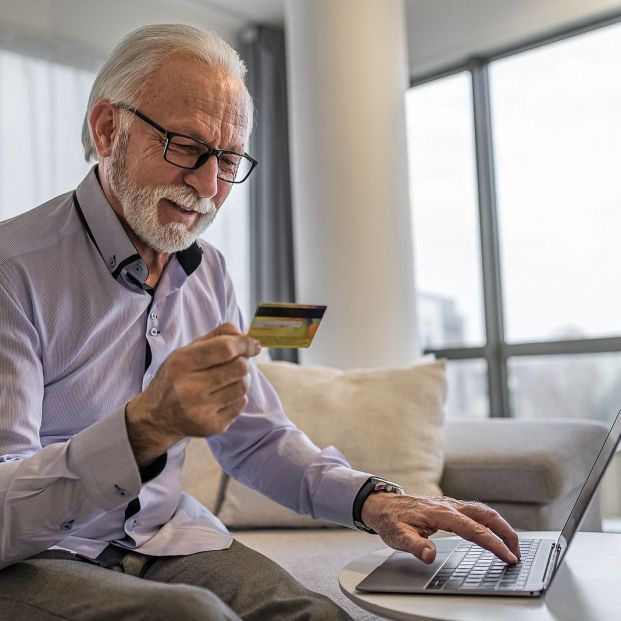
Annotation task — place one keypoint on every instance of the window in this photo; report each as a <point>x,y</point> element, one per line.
<point>42,104</point>
<point>446,233</point>
<point>514,164</point>
<point>557,153</point>
<point>446,228</point>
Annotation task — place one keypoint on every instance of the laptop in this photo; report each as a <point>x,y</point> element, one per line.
<point>464,568</point>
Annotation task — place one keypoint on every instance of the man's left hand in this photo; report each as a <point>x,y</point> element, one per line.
<point>406,522</point>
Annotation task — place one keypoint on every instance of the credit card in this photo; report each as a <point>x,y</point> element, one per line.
<point>276,324</point>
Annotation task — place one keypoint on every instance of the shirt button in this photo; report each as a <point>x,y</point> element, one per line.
<point>153,316</point>
<point>121,492</point>
<point>153,332</point>
<point>68,525</point>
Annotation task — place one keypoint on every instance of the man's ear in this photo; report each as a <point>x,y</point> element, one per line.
<point>104,120</point>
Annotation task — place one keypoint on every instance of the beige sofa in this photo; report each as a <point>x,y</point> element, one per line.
<point>531,471</point>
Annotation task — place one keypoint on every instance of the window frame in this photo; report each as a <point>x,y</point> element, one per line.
<point>496,351</point>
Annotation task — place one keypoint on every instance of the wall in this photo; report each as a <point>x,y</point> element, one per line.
<point>446,32</point>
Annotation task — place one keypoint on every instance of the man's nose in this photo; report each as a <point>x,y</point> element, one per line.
<point>204,180</point>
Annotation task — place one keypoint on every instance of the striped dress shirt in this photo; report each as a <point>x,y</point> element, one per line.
<point>76,327</point>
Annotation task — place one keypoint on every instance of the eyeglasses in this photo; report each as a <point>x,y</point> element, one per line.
<point>189,153</point>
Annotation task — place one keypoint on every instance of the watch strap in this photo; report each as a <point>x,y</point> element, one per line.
<point>371,486</point>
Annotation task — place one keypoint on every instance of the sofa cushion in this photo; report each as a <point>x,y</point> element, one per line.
<point>201,475</point>
<point>385,421</point>
<point>509,460</point>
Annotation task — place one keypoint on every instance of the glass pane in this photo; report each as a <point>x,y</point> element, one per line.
<point>445,213</point>
<point>572,386</point>
<point>557,141</point>
<point>467,389</point>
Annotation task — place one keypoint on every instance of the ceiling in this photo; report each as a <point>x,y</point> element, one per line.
<point>442,33</point>
<point>262,11</point>
<point>265,11</point>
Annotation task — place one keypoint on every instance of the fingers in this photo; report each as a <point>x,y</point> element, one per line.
<point>231,411</point>
<point>205,353</point>
<point>213,423</point>
<point>223,329</point>
<point>454,521</point>
<point>494,521</point>
<point>408,539</point>
<point>197,391</point>
<point>199,396</point>
<point>405,522</point>
<point>229,394</point>
<point>218,377</point>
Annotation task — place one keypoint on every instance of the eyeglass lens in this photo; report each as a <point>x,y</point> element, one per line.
<point>186,152</point>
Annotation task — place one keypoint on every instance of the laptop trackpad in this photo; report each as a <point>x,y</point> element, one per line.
<point>403,572</point>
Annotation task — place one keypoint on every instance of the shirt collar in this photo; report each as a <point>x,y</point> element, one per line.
<point>107,233</point>
<point>190,258</point>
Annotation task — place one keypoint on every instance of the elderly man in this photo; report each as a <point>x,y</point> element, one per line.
<point>121,338</point>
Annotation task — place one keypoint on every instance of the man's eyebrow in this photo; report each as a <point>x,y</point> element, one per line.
<point>236,148</point>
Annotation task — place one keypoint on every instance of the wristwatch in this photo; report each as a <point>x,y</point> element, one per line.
<point>373,485</point>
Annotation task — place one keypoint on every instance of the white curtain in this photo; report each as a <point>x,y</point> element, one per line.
<point>230,233</point>
<point>42,104</point>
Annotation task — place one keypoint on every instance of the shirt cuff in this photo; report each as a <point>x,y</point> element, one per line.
<point>103,457</point>
<point>154,469</point>
<point>335,495</point>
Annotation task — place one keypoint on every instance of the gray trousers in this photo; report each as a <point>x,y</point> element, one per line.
<point>224,584</point>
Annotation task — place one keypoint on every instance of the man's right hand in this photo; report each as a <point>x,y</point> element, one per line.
<point>198,391</point>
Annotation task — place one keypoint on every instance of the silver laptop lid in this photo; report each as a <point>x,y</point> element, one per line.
<point>588,490</point>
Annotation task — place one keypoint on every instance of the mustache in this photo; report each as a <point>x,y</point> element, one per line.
<point>182,196</point>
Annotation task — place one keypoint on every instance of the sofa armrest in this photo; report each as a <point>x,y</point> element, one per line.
<point>525,461</point>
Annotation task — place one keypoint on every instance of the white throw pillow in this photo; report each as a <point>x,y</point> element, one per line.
<point>201,475</point>
<point>385,421</point>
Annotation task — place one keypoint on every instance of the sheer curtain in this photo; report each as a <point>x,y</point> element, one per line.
<point>230,233</point>
<point>42,104</point>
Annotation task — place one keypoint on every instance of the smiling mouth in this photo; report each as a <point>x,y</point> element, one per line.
<point>180,207</point>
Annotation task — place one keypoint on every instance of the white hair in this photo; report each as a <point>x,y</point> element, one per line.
<point>125,74</point>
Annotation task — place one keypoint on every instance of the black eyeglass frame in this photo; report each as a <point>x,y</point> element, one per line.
<point>201,159</point>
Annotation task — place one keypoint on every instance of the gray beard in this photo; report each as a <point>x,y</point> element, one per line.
<point>140,207</point>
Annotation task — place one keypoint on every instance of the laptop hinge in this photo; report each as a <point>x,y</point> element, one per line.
<point>554,556</point>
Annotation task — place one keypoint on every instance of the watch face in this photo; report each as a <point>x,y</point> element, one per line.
<point>387,486</point>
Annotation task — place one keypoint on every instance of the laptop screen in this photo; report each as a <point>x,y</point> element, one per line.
<point>588,489</point>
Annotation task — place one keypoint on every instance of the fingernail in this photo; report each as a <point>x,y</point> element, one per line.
<point>427,555</point>
<point>257,347</point>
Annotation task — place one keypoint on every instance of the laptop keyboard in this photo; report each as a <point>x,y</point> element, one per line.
<point>472,567</point>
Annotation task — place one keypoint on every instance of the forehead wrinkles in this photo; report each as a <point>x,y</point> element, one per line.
<point>212,102</point>
<point>213,121</point>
